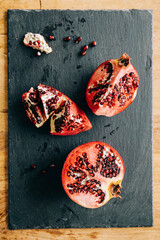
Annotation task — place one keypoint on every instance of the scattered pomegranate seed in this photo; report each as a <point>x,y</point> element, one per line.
<point>78,39</point>
<point>83,53</point>
<point>38,54</point>
<point>30,43</point>
<point>43,171</point>
<point>38,41</point>
<point>67,39</point>
<point>85,47</point>
<point>51,37</point>
<point>33,166</point>
<point>52,165</point>
<point>94,43</point>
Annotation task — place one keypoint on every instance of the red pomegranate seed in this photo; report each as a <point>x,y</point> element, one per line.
<point>38,54</point>
<point>43,171</point>
<point>83,53</point>
<point>67,39</point>
<point>78,39</point>
<point>33,166</point>
<point>38,41</point>
<point>30,43</point>
<point>94,43</point>
<point>52,165</point>
<point>85,47</point>
<point>51,37</point>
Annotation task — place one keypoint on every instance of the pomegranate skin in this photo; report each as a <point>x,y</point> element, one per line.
<point>112,87</point>
<point>86,180</point>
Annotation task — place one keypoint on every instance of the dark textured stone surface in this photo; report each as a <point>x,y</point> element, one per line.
<point>38,200</point>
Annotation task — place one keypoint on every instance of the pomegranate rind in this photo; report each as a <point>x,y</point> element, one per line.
<point>89,200</point>
<point>118,71</point>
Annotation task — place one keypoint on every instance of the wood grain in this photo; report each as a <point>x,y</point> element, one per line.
<point>73,234</point>
<point>11,4</point>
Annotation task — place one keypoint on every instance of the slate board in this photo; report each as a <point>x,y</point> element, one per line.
<point>37,200</point>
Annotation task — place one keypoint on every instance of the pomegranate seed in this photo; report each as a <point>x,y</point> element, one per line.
<point>38,53</point>
<point>98,146</point>
<point>30,43</point>
<point>84,154</point>
<point>67,39</point>
<point>51,37</point>
<point>131,74</point>
<point>38,41</point>
<point>52,165</point>
<point>94,43</point>
<point>85,47</point>
<point>78,39</point>
<point>43,171</point>
<point>83,53</point>
<point>33,166</point>
<point>70,191</point>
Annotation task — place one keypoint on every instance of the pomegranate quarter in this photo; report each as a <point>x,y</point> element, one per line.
<point>92,174</point>
<point>112,87</point>
<point>45,102</point>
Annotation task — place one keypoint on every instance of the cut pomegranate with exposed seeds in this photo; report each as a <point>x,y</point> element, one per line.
<point>50,99</point>
<point>66,117</point>
<point>34,109</point>
<point>112,87</point>
<point>92,174</point>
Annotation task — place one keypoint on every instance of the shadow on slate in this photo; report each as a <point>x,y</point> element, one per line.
<point>38,200</point>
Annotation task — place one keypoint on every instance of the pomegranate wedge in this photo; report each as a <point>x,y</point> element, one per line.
<point>46,102</point>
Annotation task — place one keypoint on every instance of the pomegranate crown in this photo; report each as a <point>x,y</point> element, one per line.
<point>124,60</point>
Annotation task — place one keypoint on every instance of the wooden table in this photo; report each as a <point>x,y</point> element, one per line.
<point>152,233</point>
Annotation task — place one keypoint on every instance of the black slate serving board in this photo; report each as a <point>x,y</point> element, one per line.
<point>38,200</point>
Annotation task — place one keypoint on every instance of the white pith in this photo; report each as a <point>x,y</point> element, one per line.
<point>34,37</point>
<point>58,115</point>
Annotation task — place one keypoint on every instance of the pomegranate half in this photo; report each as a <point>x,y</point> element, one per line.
<point>92,174</point>
<point>112,87</point>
